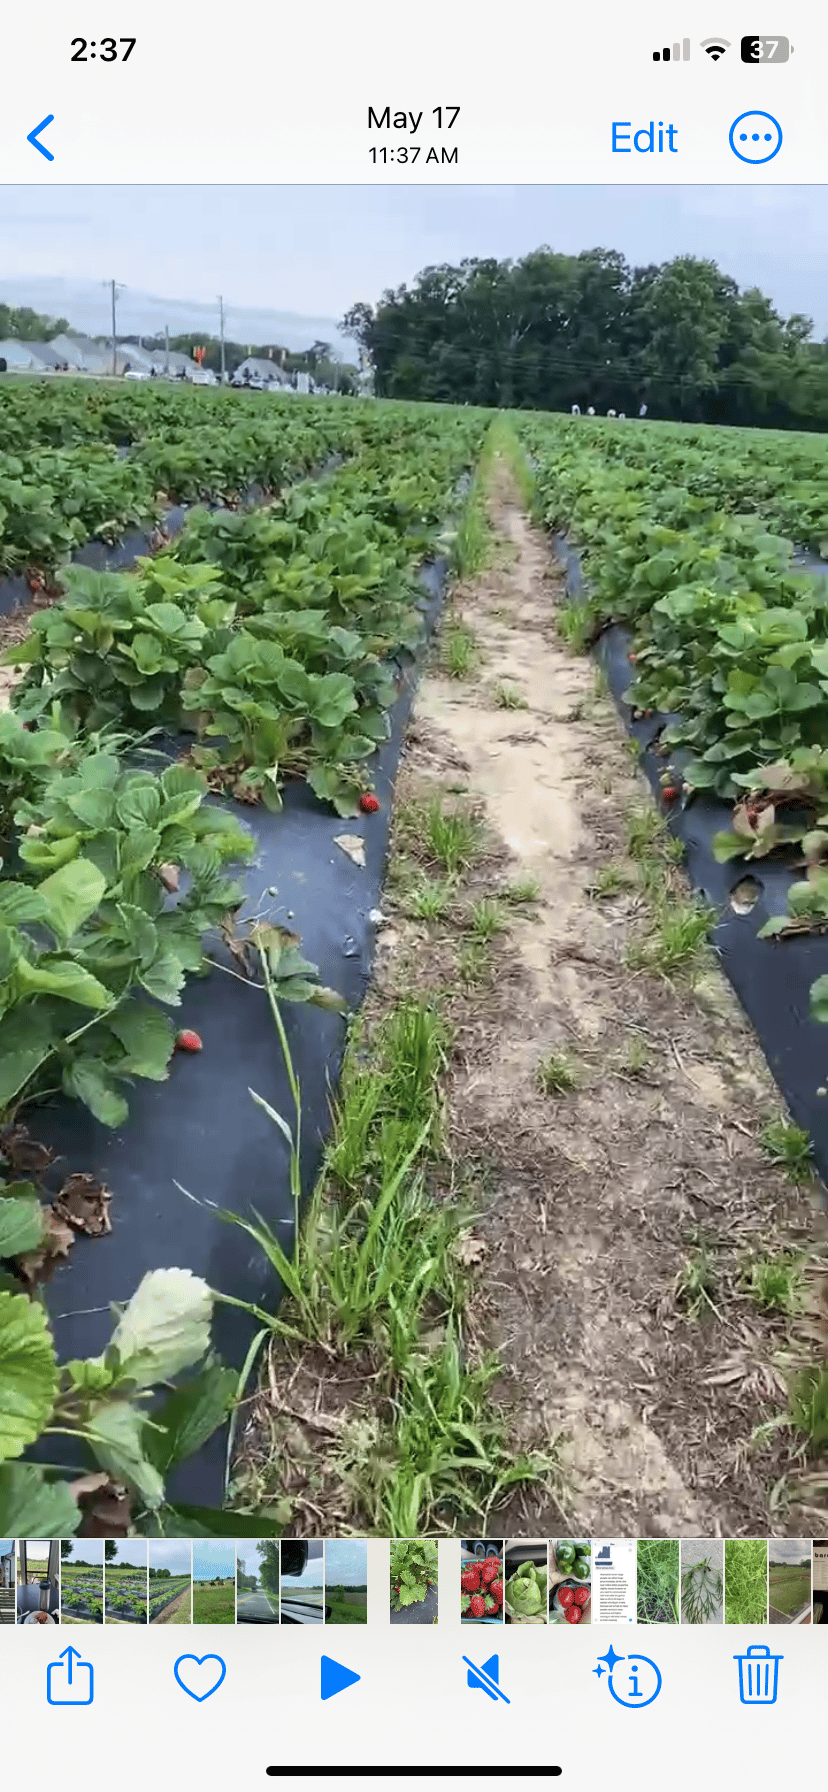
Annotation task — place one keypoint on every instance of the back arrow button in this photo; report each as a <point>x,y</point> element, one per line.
<point>33,136</point>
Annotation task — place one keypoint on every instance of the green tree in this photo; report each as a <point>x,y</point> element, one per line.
<point>268,1553</point>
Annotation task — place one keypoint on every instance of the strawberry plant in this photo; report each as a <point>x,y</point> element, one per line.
<point>413,1571</point>
<point>87,926</point>
<point>162,1333</point>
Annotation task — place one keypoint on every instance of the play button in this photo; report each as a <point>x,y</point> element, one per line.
<point>334,1677</point>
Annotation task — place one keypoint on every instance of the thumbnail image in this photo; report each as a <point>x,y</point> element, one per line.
<point>82,1580</point>
<point>346,1582</point>
<point>820,1578</point>
<point>481,1582</point>
<point>214,1581</point>
<point>789,1580</point>
<point>614,1580</point>
<point>125,1581</point>
<point>526,1581</point>
<point>170,1580</point>
<point>702,1583</point>
<point>413,1581</point>
<point>7,1580</point>
<point>38,1580</point>
<point>570,1581</point>
<point>257,1581</point>
<point>658,1580</point>
<point>746,1581</point>
<point>302,1594</point>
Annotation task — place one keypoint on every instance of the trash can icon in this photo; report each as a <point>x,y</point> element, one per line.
<point>758,1675</point>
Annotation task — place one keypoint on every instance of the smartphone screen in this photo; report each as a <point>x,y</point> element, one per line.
<point>413,894</point>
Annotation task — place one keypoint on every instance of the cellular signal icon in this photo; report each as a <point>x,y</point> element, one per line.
<point>715,47</point>
<point>678,52</point>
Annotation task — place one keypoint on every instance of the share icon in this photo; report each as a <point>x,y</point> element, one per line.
<point>486,1678</point>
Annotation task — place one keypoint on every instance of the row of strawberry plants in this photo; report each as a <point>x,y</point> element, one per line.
<point>67,412</point>
<point>111,875</point>
<point>271,632</point>
<point>729,638</point>
<point>54,499</point>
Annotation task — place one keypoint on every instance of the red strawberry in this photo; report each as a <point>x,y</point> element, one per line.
<point>478,1606</point>
<point>565,1597</point>
<point>496,1588</point>
<point>490,1570</point>
<point>187,1041</point>
<point>369,803</point>
<point>573,1614</point>
<point>492,1607</point>
<point>670,792</point>
<point>470,1580</point>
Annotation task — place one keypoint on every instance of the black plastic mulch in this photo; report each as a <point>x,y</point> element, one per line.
<point>424,1612</point>
<point>772,978</point>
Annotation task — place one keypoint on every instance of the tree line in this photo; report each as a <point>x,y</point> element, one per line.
<point>551,330</point>
<point>19,323</point>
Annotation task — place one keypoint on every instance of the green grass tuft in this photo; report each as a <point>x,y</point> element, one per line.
<point>789,1146</point>
<point>558,1074</point>
<point>746,1581</point>
<point>658,1581</point>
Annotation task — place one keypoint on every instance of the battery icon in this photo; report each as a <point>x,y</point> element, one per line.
<point>766,49</point>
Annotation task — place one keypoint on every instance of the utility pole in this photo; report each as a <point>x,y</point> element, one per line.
<point>167,348</point>
<point>221,318</point>
<point>115,287</point>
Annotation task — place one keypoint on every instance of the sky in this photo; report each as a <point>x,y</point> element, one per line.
<point>289,261</point>
<point>788,1549</point>
<point>87,1549</point>
<point>131,1550</point>
<point>313,1573</point>
<point>346,1564</point>
<point>168,1553</point>
<point>212,1558</point>
<point>6,1545</point>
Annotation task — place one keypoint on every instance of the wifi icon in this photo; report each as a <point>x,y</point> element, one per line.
<point>715,47</point>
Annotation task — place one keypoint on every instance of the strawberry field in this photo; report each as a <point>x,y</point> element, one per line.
<point>164,1592</point>
<point>126,1594</point>
<point>197,768</point>
<point>82,1594</point>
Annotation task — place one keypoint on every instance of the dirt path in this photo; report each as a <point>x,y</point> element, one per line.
<point>177,1612</point>
<point>597,1197</point>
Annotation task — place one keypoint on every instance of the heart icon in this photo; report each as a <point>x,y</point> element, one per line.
<point>199,1675</point>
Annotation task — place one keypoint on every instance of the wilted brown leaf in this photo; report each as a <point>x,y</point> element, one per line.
<point>23,1153</point>
<point>57,1241</point>
<point>84,1203</point>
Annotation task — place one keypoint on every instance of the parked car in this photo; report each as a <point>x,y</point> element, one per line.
<point>134,373</point>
